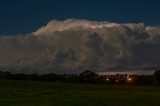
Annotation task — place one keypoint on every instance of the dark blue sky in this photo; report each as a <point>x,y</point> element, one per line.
<point>24,16</point>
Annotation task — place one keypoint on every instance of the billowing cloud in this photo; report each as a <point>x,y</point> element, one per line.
<point>55,25</point>
<point>77,45</point>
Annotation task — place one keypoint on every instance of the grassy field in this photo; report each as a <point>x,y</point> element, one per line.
<point>31,93</point>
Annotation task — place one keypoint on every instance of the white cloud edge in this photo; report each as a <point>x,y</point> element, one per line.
<point>56,25</point>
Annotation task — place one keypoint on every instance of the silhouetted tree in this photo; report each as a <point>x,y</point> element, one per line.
<point>89,77</point>
<point>4,75</point>
<point>157,76</point>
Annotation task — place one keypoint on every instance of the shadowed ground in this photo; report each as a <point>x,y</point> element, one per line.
<point>30,93</point>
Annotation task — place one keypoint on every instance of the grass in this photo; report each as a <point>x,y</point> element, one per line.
<point>32,93</point>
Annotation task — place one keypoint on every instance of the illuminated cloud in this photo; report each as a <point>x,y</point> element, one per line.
<point>77,45</point>
<point>55,25</point>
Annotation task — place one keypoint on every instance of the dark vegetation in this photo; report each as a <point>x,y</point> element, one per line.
<point>85,89</point>
<point>45,93</point>
<point>87,77</point>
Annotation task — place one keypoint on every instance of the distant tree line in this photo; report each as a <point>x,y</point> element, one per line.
<point>86,77</point>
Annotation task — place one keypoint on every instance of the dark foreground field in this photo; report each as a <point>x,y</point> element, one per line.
<point>29,93</point>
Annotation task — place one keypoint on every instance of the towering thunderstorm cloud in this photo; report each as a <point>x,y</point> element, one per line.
<point>72,46</point>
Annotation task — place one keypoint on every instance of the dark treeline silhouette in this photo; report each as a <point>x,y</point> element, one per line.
<point>87,77</point>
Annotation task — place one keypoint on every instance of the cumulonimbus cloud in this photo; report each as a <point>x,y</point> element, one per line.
<point>77,45</point>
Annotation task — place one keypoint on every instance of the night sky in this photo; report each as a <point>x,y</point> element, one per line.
<point>25,16</point>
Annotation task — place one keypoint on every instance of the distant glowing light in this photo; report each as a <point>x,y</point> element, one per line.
<point>129,79</point>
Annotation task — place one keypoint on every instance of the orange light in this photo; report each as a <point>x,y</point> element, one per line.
<point>129,79</point>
